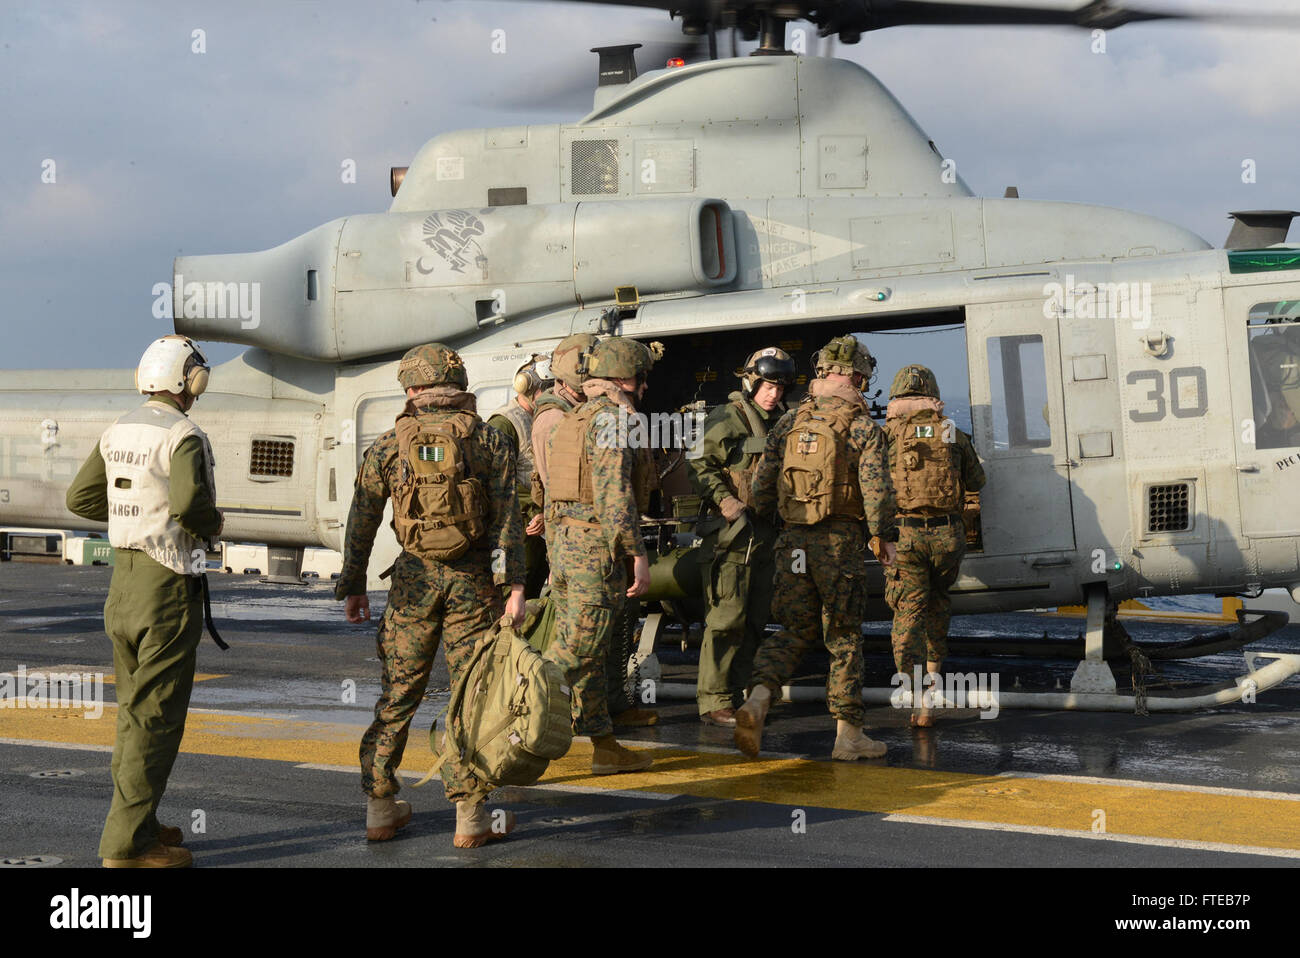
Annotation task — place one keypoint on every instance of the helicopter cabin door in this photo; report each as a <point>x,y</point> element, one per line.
<point>1017,413</point>
<point>1263,324</point>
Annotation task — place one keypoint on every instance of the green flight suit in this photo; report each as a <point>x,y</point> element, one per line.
<point>739,568</point>
<point>154,617</point>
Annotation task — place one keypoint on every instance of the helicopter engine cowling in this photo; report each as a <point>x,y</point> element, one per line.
<point>367,285</point>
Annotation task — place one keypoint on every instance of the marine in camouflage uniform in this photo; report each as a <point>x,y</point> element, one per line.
<point>453,600</point>
<point>569,366</point>
<point>932,538</point>
<point>594,512</point>
<point>820,590</point>
<point>515,423</point>
<point>738,575</point>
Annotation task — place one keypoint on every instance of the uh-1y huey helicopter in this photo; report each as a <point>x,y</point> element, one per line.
<point>1133,390</point>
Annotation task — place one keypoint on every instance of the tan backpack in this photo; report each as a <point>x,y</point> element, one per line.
<point>818,478</point>
<point>510,712</point>
<point>438,508</point>
<point>923,464</point>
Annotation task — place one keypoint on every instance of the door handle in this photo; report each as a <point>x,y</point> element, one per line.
<point>1250,467</point>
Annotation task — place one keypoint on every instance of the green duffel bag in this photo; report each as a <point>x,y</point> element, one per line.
<point>510,713</point>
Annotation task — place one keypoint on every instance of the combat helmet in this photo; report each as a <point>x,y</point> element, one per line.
<point>432,364</point>
<point>914,380</point>
<point>770,365</point>
<point>617,357</point>
<point>846,356</point>
<point>569,360</point>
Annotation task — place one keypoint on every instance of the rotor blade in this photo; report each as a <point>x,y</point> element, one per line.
<point>1098,14</point>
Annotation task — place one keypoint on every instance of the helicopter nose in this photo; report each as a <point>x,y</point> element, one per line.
<point>281,299</point>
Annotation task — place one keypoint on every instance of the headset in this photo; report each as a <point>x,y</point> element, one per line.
<point>533,376</point>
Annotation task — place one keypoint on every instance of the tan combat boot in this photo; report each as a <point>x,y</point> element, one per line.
<point>636,718</point>
<point>750,718</point>
<point>475,827</point>
<point>384,816</point>
<point>160,856</point>
<point>610,758</point>
<point>851,743</point>
<point>170,835</point>
<point>931,697</point>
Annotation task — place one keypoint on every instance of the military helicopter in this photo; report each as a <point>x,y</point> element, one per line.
<point>1128,383</point>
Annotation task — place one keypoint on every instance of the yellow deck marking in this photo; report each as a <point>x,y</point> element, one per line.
<point>104,670</point>
<point>1057,803</point>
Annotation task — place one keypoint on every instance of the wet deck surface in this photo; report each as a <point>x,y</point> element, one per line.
<point>268,767</point>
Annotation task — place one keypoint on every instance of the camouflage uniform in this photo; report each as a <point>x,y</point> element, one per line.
<point>536,569</point>
<point>455,600</point>
<point>820,586</point>
<point>588,574</point>
<point>552,407</point>
<point>739,569</point>
<point>930,545</point>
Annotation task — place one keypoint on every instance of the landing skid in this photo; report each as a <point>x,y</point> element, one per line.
<point>1263,671</point>
<point>1092,688</point>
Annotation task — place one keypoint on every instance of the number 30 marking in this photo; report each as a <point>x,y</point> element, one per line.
<point>1157,394</point>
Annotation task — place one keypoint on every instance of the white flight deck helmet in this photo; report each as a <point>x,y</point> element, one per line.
<point>172,364</point>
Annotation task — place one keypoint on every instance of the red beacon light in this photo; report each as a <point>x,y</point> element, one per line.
<point>676,62</point>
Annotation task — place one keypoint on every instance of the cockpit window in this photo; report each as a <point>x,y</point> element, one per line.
<point>1274,331</point>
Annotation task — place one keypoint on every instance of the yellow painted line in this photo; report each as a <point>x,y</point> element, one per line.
<point>1135,609</point>
<point>105,670</point>
<point>1065,805</point>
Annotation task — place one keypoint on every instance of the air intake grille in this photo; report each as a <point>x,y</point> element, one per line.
<point>593,167</point>
<point>1169,508</point>
<point>271,458</point>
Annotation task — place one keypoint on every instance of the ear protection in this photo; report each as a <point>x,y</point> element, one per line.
<point>196,379</point>
<point>533,376</point>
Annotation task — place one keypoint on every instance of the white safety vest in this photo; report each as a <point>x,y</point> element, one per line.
<point>137,451</point>
<point>522,420</point>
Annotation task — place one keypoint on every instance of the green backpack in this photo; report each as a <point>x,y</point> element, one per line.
<point>509,714</point>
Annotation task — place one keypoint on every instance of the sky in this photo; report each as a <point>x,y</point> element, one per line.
<point>157,150</point>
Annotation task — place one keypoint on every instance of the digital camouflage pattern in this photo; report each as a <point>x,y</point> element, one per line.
<point>914,380</point>
<point>590,544</point>
<point>738,573</point>
<point>454,601</point>
<point>429,601</point>
<point>616,357</point>
<point>535,566</point>
<point>820,594</point>
<point>820,587</point>
<point>926,566</point>
<point>432,364</point>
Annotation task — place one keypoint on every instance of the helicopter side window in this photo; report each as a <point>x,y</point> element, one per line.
<point>1274,331</point>
<point>1018,388</point>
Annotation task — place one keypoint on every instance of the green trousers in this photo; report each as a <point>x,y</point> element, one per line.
<point>739,594</point>
<point>155,618</point>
